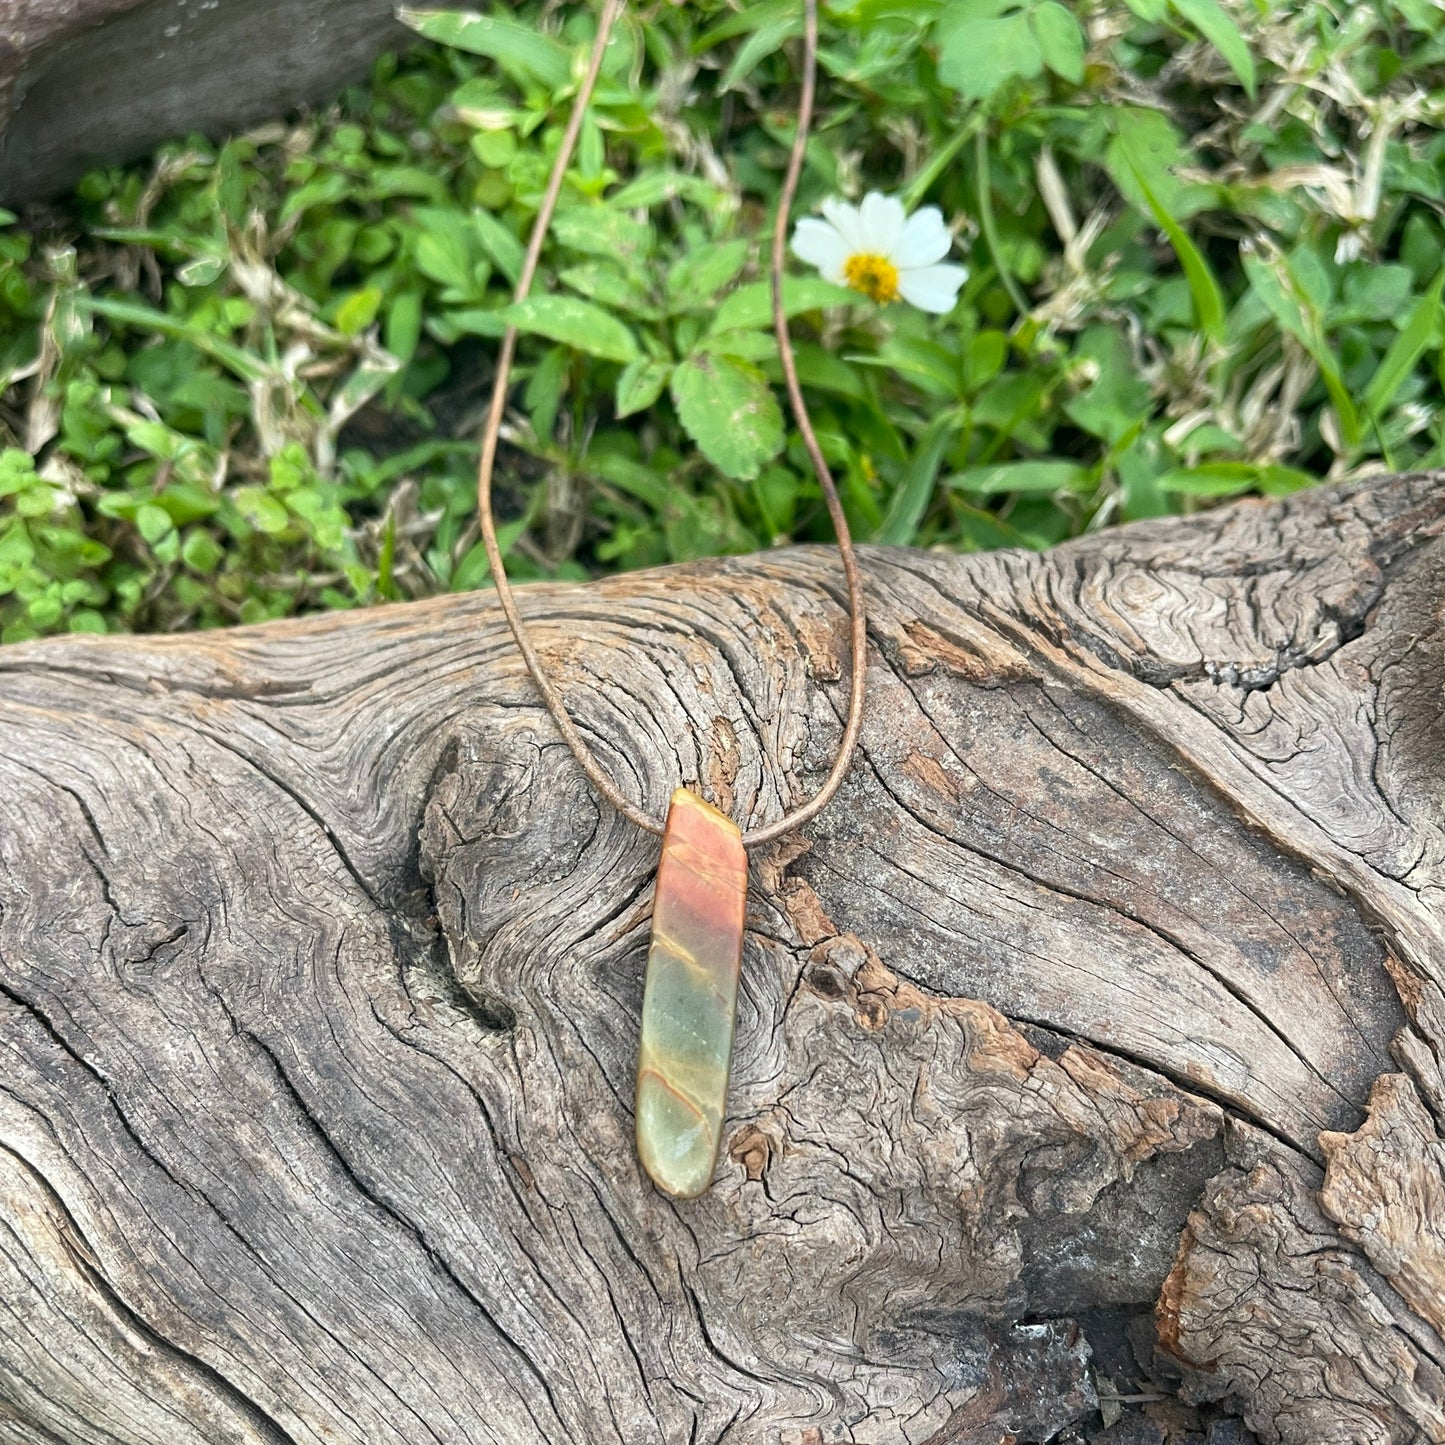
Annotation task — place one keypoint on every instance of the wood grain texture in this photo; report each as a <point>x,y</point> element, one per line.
<point>1385,1188</point>
<point>321,967</point>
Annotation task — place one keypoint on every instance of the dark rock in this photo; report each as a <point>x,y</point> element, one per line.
<point>1132,1429</point>
<point>1121,1253</point>
<point>1231,1432</point>
<point>90,81</point>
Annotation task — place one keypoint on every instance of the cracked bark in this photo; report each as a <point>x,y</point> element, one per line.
<point>1108,992</point>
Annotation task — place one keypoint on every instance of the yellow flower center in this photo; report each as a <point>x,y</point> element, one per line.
<point>874,276</point>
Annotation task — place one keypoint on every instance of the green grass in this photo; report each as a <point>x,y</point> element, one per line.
<point>1206,253</point>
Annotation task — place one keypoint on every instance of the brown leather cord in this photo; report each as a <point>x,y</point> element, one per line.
<point>552,699</point>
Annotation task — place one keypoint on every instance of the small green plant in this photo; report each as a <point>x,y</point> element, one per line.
<point>48,566</point>
<point>1204,250</point>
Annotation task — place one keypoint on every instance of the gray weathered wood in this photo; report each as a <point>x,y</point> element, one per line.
<point>90,81</point>
<point>320,967</point>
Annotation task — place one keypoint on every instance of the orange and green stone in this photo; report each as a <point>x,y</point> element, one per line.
<point>690,1001</point>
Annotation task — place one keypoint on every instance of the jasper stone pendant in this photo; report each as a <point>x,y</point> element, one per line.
<point>690,1001</point>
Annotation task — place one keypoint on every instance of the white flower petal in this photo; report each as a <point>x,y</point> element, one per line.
<point>820,245</point>
<point>846,221</point>
<point>925,239</point>
<point>932,288</point>
<point>882,220</point>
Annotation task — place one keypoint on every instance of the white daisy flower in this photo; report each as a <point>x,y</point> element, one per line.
<point>880,250</point>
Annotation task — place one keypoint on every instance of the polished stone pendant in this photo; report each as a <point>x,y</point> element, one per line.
<point>690,1002</point>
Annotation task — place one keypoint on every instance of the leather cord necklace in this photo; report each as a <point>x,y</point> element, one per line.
<point>690,998</point>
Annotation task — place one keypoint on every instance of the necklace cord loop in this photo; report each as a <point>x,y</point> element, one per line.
<point>858,636</point>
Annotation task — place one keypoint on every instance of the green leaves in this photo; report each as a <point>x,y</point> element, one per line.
<point>1421,331</point>
<point>980,54</point>
<point>1278,285</point>
<point>1212,21</point>
<point>358,310</point>
<point>1170,302</point>
<point>1145,156</point>
<point>521,50</point>
<point>1028,476</point>
<point>1061,42</point>
<point>915,490</point>
<point>985,44</point>
<point>729,411</point>
<point>48,566</point>
<point>640,384</point>
<point>574,323</point>
<point>1208,299</point>
<point>701,272</point>
<point>1231,479</point>
<point>750,307</point>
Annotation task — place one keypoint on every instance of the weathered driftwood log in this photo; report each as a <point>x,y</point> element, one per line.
<point>1105,1004</point>
<point>86,81</point>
